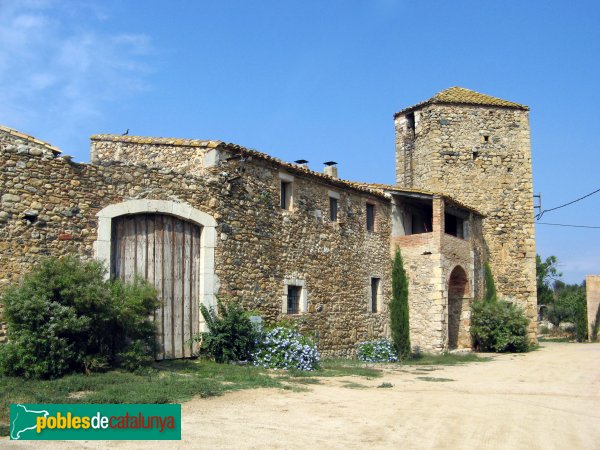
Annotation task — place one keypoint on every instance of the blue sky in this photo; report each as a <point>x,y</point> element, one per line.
<point>317,80</point>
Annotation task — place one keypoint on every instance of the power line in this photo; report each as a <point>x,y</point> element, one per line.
<point>539,216</point>
<point>565,225</point>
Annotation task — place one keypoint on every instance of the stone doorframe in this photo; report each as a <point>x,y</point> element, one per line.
<point>103,244</point>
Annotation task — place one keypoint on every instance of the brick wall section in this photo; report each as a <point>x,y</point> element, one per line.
<point>429,259</point>
<point>258,244</point>
<point>592,290</point>
<point>450,155</point>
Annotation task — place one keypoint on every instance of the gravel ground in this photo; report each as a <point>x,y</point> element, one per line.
<point>546,399</point>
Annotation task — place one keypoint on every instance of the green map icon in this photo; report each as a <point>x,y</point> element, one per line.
<point>23,419</point>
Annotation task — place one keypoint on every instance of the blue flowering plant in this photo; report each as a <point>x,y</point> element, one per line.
<point>376,351</point>
<point>285,348</point>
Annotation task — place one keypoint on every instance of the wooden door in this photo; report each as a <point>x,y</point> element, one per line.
<point>165,251</point>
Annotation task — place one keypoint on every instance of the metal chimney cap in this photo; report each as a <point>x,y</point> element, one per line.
<point>301,161</point>
<point>330,163</point>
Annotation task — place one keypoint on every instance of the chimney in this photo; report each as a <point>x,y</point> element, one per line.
<point>331,169</point>
<point>302,162</point>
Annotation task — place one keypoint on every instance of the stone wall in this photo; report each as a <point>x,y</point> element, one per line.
<point>183,155</point>
<point>49,208</point>
<point>480,156</point>
<point>592,290</point>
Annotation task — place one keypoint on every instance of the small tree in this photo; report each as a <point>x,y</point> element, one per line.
<point>399,322</point>
<point>490,286</point>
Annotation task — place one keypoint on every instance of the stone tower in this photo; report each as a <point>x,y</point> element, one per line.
<point>476,148</point>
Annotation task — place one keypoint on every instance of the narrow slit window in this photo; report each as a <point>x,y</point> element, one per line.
<point>293,299</point>
<point>370,217</point>
<point>375,282</point>
<point>286,195</point>
<point>333,209</point>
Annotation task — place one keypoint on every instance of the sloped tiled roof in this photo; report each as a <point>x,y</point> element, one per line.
<point>29,138</point>
<point>461,96</point>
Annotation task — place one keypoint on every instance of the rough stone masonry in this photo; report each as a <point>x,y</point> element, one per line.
<point>286,241</point>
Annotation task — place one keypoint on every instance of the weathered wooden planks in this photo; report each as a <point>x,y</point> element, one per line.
<point>165,251</point>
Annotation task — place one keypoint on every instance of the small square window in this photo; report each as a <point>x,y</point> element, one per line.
<point>333,209</point>
<point>293,299</point>
<point>375,285</point>
<point>286,195</point>
<point>370,217</point>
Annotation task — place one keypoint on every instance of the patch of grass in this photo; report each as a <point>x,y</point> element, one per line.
<point>435,379</point>
<point>445,359</point>
<point>165,382</point>
<point>304,380</point>
<point>339,368</point>
<point>553,339</point>
<point>385,385</point>
<point>353,385</point>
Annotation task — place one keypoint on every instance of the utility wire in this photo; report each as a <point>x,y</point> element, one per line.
<point>565,225</point>
<point>539,216</point>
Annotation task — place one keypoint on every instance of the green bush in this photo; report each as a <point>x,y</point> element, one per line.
<point>399,321</point>
<point>66,317</point>
<point>499,326</point>
<point>231,335</point>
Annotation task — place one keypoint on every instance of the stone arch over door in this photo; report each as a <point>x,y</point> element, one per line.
<point>172,245</point>
<point>458,305</point>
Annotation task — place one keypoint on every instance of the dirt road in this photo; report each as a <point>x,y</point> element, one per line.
<point>547,399</point>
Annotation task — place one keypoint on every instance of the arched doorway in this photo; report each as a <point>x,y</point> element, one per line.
<point>458,293</point>
<point>171,245</point>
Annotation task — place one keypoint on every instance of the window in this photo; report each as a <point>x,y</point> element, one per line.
<point>286,194</point>
<point>333,209</point>
<point>286,191</point>
<point>410,124</point>
<point>454,225</point>
<point>370,217</point>
<point>375,285</point>
<point>293,299</point>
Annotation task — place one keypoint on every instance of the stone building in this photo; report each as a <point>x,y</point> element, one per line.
<point>592,296</point>
<point>201,219</point>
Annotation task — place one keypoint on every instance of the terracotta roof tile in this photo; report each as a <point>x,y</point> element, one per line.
<point>461,96</point>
